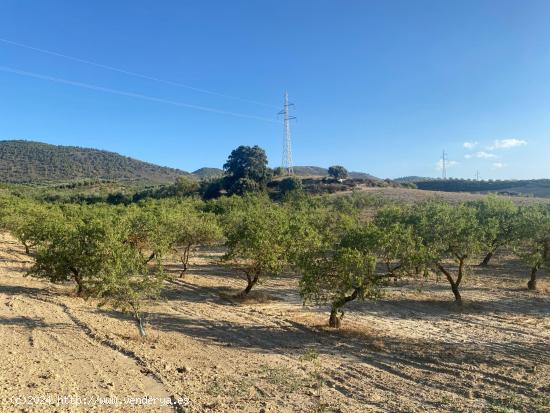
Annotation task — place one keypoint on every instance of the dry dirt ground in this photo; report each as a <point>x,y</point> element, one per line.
<point>412,351</point>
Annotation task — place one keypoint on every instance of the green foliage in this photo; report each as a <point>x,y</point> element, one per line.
<point>90,246</point>
<point>499,218</point>
<point>290,184</point>
<point>244,185</point>
<point>393,240</point>
<point>194,228</point>
<point>448,233</point>
<point>28,221</point>
<point>149,227</point>
<point>79,249</point>
<point>336,263</point>
<point>338,172</point>
<point>337,275</point>
<point>246,170</point>
<point>256,238</point>
<point>533,243</point>
<point>26,161</point>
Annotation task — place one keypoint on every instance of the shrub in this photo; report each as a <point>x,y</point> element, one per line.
<point>290,184</point>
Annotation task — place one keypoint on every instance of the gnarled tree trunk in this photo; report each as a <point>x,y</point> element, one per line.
<point>454,284</point>
<point>79,282</point>
<point>487,258</point>
<point>532,284</point>
<point>334,321</point>
<point>252,278</point>
<point>185,259</point>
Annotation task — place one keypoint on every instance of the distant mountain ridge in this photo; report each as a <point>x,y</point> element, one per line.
<point>24,161</point>
<point>319,171</point>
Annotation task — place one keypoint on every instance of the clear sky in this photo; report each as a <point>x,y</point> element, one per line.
<point>380,86</point>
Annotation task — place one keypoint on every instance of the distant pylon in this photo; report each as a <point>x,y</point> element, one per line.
<point>444,165</point>
<point>287,145</point>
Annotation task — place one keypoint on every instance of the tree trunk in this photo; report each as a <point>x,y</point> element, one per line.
<point>454,288</point>
<point>454,285</point>
<point>78,280</point>
<point>139,324</point>
<point>27,249</point>
<point>185,259</point>
<point>487,258</point>
<point>251,282</point>
<point>334,320</point>
<point>532,284</point>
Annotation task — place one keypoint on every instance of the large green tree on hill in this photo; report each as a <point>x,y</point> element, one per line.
<point>338,172</point>
<point>246,170</point>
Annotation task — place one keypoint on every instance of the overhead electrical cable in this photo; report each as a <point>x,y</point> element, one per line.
<point>131,73</point>
<point>131,94</point>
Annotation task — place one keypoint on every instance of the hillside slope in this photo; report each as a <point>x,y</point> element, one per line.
<point>26,161</point>
<point>319,171</point>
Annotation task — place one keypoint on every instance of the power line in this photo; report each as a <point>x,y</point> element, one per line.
<point>131,94</point>
<point>130,73</point>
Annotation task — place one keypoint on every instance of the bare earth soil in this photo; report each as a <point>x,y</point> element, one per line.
<point>412,351</point>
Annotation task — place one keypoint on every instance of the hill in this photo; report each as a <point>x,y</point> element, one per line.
<point>205,172</point>
<point>528,187</point>
<point>319,171</point>
<point>412,179</point>
<point>26,161</point>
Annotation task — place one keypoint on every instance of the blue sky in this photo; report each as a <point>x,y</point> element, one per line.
<point>379,86</point>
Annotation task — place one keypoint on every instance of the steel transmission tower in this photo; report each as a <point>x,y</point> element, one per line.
<point>287,145</point>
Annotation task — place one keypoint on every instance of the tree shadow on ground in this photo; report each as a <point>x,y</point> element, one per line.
<point>396,355</point>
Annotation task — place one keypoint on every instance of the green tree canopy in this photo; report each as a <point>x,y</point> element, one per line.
<point>533,242</point>
<point>256,239</point>
<point>338,172</point>
<point>448,233</point>
<point>246,169</point>
<point>499,218</point>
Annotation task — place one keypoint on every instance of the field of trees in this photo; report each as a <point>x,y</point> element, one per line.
<point>327,253</point>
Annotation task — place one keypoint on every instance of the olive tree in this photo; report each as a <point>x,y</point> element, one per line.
<point>337,276</point>
<point>334,254</point>
<point>194,228</point>
<point>150,228</point>
<point>533,243</point>
<point>126,282</point>
<point>77,251</point>
<point>448,234</point>
<point>30,222</point>
<point>395,243</point>
<point>499,218</point>
<point>256,239</point>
